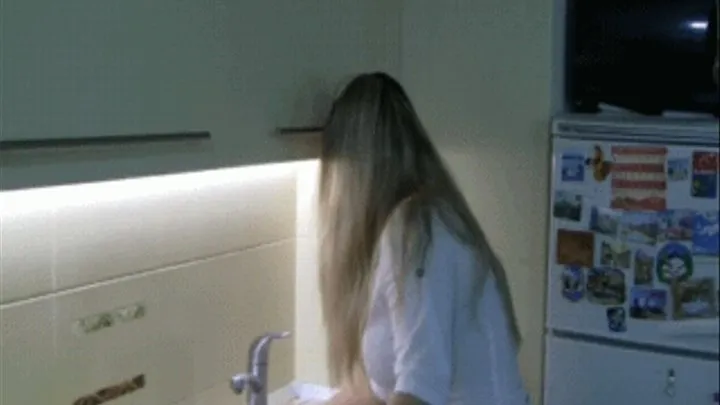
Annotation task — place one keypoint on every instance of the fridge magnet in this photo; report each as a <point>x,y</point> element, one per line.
<point>598,164</point>
<point>606,286</point>
<point>573,283</point>
<point>674,263</point>
<point>644,266</point>
<point>638,178</point>
<point>614,255</point>
<point>695,298</point>
<point>604,221</point>
<point>676,225</point>
<point>639,227</point>
<point>575,248</point>
<point>567,205</point>
<point>616,319</point>
<point>572,167</point>
<point>706,241</point>
<point>704,175</point>
<point>648,303</point>
<point>678,169</point>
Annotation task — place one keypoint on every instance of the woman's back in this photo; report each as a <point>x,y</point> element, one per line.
<point>443,342</point>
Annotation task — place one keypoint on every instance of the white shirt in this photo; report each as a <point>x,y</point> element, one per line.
<point>432,347</point>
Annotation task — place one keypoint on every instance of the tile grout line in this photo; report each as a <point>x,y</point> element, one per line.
<point>142,273</point>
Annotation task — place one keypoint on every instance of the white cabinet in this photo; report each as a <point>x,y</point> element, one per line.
<point>82,68</point>
<point>582,373</point>
<point>236,69</point>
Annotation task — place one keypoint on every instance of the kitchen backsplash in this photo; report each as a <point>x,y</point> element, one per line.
<point>168,278</point>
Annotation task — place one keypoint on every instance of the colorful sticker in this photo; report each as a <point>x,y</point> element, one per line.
<point>598,164</point>
<point>575,248</point>
<point>573,283</point>
<point>676,225</point>
<point>614,254</point>
<point>606,286</point>
<point>567,205</point>
<point>639,227</point>
<point>644,266</point>
<point>674,263</point>
<point>638,181</point>
<point>694,299</point>
<point>616,319</point>
<point>648,303</point>
<point>705,241</point>
<point>604,221</point>
<point>705,175</point>
<point>572,167</point>
<point>678,169</point>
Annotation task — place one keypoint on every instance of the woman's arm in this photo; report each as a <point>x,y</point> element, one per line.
<point>355,391</point>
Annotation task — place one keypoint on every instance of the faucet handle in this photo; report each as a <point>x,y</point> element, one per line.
<point>260,348</point>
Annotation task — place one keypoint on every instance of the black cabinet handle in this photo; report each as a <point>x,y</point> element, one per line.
<point>52,143</point>
<point>299,130</point>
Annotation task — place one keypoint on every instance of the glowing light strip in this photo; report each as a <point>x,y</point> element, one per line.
<point>45,198</point>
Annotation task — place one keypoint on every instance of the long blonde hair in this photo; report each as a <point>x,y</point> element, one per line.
<point>375,156</point>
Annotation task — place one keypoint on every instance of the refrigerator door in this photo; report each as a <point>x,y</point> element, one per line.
<point>590,374</point>
<point>633,243</point>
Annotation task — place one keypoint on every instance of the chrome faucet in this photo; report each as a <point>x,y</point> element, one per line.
<point>255,381</point>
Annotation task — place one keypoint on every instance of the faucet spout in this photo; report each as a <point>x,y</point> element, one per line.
<point>256,379</point>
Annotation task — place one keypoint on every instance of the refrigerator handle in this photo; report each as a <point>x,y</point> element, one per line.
<point>670,383</point>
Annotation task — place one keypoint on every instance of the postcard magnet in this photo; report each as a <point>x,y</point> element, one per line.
<point>694,298</point>
<point>644,266</point>
<point>639,181</point>
<point>614,254</point>
<point>606,286</point>
<point>674,263</point>
<point>567,205</point>
<point>616,319</point>
<point>605,221</point>
<point>572,167</point>
<point>704,175</point>
<point>573,283</point>
<point>676,225</point>
<point>648,303</point>
<point>678,169</point>
<point>575,248</point>
<point>598,163</point>
<point>705,239</point>
<point>639,227</point>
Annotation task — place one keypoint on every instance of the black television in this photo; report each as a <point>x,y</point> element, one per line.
<point>650,57</point>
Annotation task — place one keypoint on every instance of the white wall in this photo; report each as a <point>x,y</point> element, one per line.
<point>211,256</point>
<point>310,338</point>
<point>479,73</point>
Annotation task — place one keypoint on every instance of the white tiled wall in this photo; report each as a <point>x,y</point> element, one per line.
<point>310,340</point>
<point>211,256</point>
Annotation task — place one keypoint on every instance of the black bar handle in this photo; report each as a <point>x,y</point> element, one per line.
<point>299,130</point>
<point>48,143</point>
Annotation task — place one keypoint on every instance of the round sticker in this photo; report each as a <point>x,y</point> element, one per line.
<point>573,283</point>
<point>674,263</point>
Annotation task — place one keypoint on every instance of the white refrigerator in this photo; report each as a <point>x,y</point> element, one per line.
<point>632,292</point>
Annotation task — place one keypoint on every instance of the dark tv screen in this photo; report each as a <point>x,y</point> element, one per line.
<point>646,56</point>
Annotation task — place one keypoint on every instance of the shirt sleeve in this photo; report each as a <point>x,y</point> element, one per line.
<point>422,326</point>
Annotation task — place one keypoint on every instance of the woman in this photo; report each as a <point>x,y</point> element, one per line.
<point>416,304</point>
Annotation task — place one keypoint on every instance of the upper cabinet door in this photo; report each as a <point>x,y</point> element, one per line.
<point>82,68</point>
<point>78,68</point>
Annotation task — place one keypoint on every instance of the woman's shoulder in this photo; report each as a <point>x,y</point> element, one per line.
<point>424,223</point>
